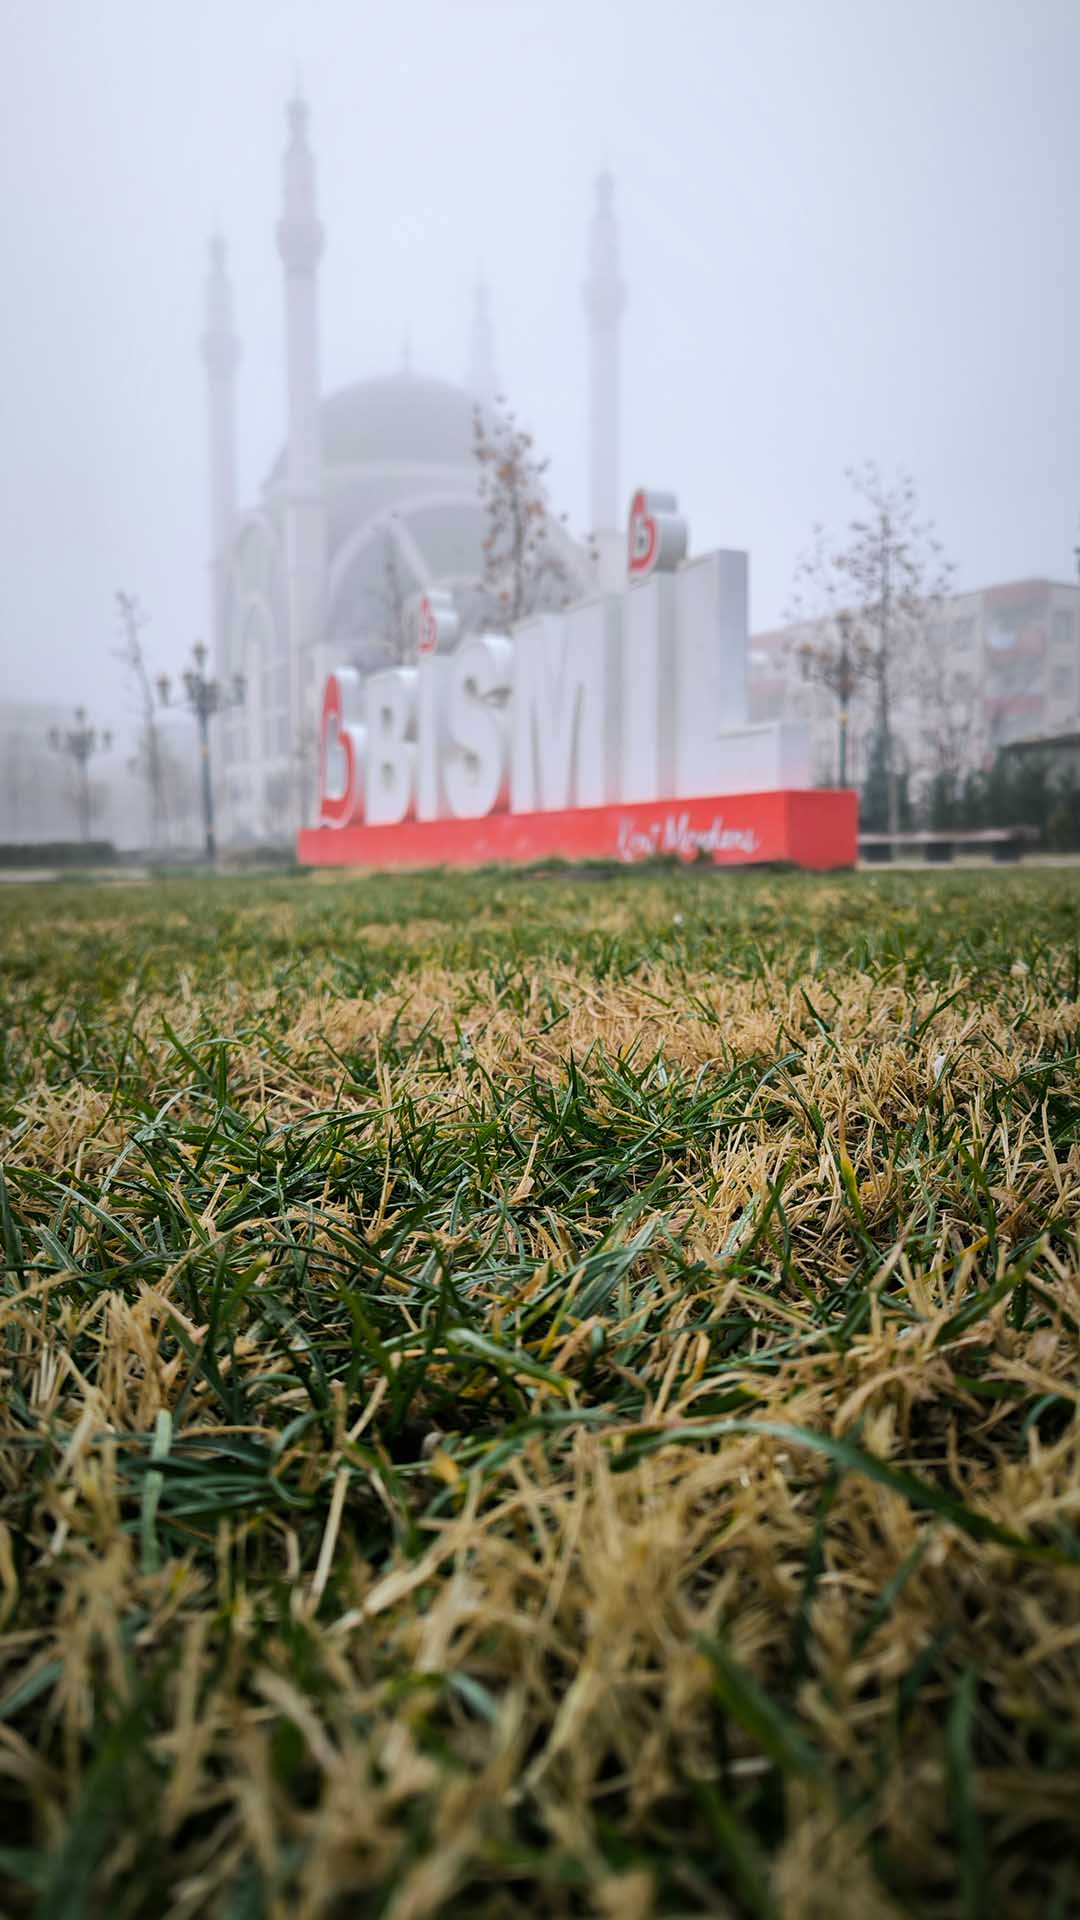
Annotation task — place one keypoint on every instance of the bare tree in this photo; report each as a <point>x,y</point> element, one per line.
<point>175,785</point>
<point>523,568</point>
<point>390,602</point>
<point>149,761</point>
<point>949,704</point>
<point>867,603</point>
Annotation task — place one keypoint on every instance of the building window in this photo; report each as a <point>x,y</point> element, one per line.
<point>1061,683</point>
<point>1063,627</point>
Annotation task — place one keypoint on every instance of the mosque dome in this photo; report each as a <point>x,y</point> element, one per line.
<point>402,416</point>
<point>397,419</point>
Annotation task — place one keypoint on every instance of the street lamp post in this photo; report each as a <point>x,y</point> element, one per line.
<point>204,697</point>
<point>80,743</point>
<point>843,679</point>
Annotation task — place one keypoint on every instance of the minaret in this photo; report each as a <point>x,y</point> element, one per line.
<point>481,379</point>
<point>605,299</point>
<point>300,244</point>
<point>221,353</point>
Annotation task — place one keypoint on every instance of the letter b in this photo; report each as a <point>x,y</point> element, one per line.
<point>391,749</point>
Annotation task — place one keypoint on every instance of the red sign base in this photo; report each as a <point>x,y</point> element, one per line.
<point>815,828</point>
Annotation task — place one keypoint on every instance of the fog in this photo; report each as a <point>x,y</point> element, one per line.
<point>849,229</point>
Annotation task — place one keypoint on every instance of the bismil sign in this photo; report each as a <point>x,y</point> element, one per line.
<point>614,729</point>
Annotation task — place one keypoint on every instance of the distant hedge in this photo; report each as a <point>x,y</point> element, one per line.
<point>57,853</point>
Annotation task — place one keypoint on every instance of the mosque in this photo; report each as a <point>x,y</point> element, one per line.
<point>373,498</point>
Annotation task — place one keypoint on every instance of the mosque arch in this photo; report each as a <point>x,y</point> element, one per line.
<point>257,578</point>
<point>395,524</point>
<point>255,532</point>
<point>254,651</point>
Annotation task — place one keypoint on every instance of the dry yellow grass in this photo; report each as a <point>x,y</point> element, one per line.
<point>537,1397</point>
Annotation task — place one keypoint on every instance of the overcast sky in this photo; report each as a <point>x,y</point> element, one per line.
<point>850,228</point>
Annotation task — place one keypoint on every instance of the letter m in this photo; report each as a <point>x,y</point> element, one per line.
<point>565,718</point>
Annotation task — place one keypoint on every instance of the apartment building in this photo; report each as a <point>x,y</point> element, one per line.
<point>994,666</point>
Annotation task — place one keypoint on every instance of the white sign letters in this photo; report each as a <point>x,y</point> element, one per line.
<point>637,697</point>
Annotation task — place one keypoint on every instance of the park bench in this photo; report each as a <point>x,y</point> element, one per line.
<point>939,848</point>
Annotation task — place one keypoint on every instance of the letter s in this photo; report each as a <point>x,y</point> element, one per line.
<point>476,768</point>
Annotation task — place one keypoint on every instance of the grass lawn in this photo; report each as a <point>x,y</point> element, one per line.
<point>540,1396</point>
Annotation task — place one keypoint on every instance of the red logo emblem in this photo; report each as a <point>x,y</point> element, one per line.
<point>658,534</point>
<point>427,627</point>
<point>337,760</point>
<point>644,536</point>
